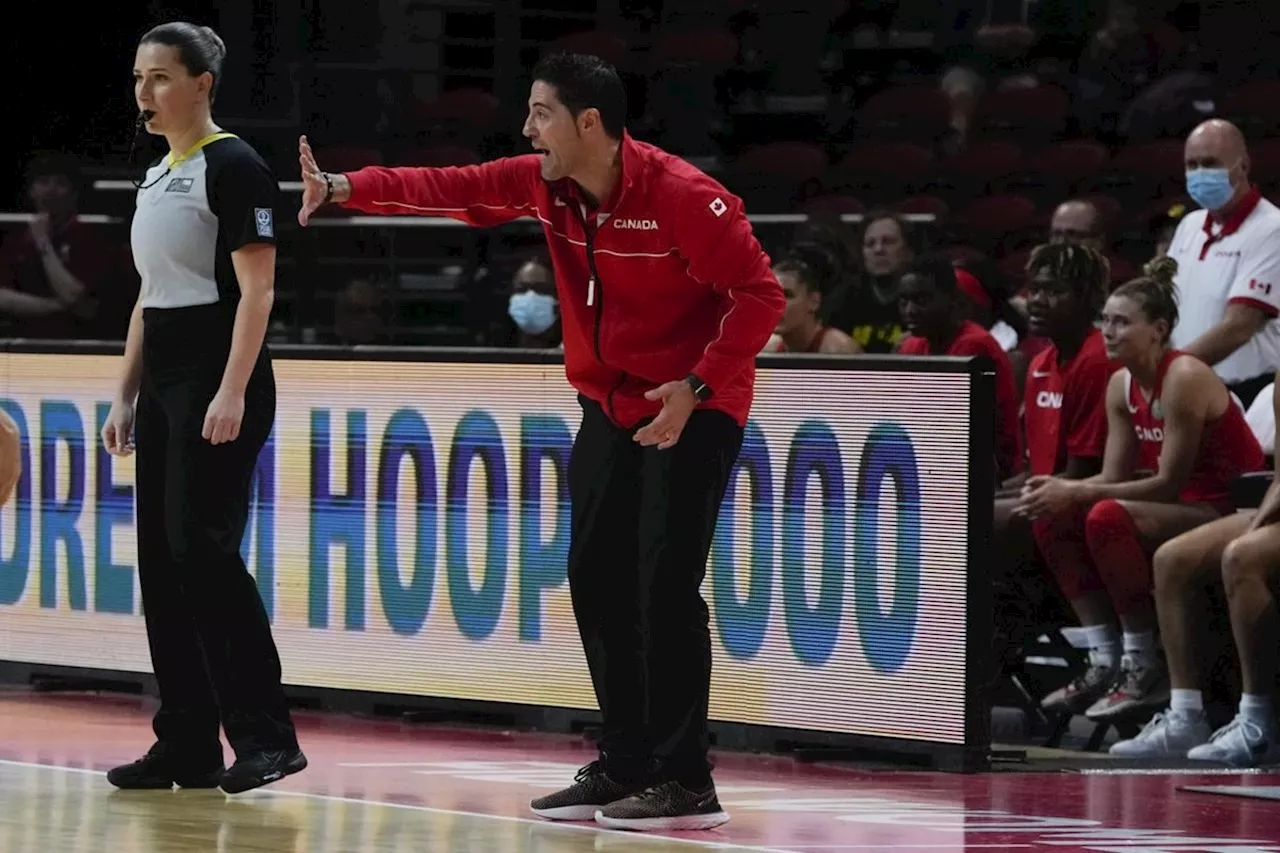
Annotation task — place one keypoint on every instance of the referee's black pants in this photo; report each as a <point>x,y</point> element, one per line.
<point>642,525</point>
<point>212,650</point>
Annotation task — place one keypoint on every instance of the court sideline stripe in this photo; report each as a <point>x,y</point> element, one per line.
<point>550,825</point>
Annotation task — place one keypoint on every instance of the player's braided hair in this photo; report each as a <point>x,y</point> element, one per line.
<point>1155,291</point>
<point>1087,270</point>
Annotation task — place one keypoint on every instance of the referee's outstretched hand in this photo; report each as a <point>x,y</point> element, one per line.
<point>314,186</point>
<point>678,402</point>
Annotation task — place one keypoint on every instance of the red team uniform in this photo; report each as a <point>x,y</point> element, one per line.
<point>1228,447</point>
<point>1065,406</point>
<point>975,340</point>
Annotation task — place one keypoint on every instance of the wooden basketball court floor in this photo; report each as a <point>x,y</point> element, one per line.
<point>376,786</point>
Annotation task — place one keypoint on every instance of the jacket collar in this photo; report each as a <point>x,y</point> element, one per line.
<point>632,164</point>
<point>1232,221</point>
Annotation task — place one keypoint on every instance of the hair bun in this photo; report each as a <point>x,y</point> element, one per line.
<point>216,39</point>
<point>1161,271</point>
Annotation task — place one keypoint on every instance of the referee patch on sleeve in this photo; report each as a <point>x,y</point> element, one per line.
<point>262,216</point>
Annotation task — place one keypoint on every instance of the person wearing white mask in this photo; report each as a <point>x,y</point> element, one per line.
<point>1228,255</point>
<point>533,306</point>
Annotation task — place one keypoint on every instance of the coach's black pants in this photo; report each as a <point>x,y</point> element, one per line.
<point>643,521</point>
<point>211,646</point>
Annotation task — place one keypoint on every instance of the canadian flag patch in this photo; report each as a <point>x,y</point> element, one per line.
<point>718,207</point>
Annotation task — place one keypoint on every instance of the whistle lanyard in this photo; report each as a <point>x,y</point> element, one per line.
<point>175,160</point>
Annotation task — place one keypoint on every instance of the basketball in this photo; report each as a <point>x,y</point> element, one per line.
<point>10,456</point>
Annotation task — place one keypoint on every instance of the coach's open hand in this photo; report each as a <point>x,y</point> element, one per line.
<point>678,402</point>
<point>315,188</point>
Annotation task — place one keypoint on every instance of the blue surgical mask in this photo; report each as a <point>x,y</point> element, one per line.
<point>1210,188</point>
<point>533,312</point>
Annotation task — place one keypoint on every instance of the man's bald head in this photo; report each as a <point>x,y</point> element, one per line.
<point>1077,221</point>
<point>1218,140</point>
<point>1213,147</point>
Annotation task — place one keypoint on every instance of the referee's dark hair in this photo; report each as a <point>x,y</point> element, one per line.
<point>199,48</point>
<point>584,82</point>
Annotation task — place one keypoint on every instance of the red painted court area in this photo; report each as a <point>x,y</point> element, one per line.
<point>375,785</point>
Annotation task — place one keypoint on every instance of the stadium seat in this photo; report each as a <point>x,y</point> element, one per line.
<point>929,204</point>
<point>717,49</point>
<point>439,155</point>
<point>1143,172</point>
<point>773,177</point>
<point>832,205</point>
<point>607,46</point>
<point>1059,168</point>
<point>916,113</point>
<point>798,160</point>
<point>884,171</point>
<point>998,219</point>
<point>1032,115</point>
<point>474,108</point>
<point>1254,107</point>
<point>979,166</point>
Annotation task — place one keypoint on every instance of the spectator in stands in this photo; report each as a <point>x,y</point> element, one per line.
<point>807,274</point>
<point>1169,414</point>
<point>1242,551</point>
<point>1119,61</point>
<point>1080,221</point>
<point>1065,414</point>
<point>359,314</point>
<point>962,87</point>
<point>1164,226</point>
<point>930,305</point>
<point>868,306</point>
<point>1228,255</point>
<point>533,306</point>
<point>52,273</point>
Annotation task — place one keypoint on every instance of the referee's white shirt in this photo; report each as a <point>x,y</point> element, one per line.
<point>1221,261</point>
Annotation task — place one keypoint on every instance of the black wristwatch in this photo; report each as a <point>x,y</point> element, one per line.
<point>701,390</point>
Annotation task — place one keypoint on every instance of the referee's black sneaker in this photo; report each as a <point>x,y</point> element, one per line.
<point>161,769</point>
<point>262,768</point>
<point>669,806</point>
<point>592,789</point>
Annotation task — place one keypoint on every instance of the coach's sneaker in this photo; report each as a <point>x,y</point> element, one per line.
<point>1142,683</point>
<point>160,769</point>
<point>669,806</point>
<point>1240,743</point>
<point>1085,689</point>
<point>262,768</point>
<point>592,789</point>
<point>1168,735</point>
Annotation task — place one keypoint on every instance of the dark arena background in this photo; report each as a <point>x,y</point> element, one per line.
<point>880,657</point>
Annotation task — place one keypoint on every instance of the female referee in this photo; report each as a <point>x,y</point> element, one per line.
<point>1175,441</point>
<point>204,244</point>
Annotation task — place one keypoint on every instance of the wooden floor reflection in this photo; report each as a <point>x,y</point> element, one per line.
<point>375,786</point>
<point>62,810</point>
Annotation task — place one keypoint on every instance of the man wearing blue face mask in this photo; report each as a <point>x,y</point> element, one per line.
<point>533,306</point>
<point>1228,255</point>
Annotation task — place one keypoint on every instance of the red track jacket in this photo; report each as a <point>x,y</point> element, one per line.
<point>666,279</point>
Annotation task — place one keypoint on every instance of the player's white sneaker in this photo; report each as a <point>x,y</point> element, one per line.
<point>1240,743</point>
<point>1169,735</point>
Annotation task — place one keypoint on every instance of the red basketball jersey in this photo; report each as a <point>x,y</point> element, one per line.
<point>1228,447</point>
<point>1065,405</point>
